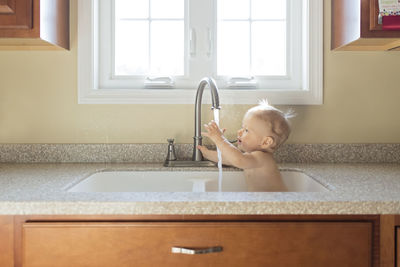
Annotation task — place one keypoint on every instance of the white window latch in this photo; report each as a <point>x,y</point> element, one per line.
<point>159,82</point>
<point>242,82</point>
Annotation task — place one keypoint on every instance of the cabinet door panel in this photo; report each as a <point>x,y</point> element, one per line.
<point>7,7</point>
<point>243,244</point>
<point>16,14</point>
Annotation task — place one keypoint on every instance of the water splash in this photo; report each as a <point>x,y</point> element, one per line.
<point>216,119</point>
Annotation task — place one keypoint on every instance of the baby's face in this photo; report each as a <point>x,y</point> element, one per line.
<point>252,133</point>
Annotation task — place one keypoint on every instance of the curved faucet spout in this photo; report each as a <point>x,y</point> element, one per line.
<point>197,156</point>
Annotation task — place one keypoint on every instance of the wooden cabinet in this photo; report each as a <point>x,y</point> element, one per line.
<point>397,246</point>
<point>6,241</point>
<point>242,243</point>
<point>34,24</point>
<point>11,19</point>
<point>355,27</point>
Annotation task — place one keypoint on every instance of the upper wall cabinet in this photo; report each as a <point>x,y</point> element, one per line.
<point>34,24</point>
<point>355,27</point>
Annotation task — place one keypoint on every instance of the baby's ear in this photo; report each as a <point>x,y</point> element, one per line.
<point>268,142</point>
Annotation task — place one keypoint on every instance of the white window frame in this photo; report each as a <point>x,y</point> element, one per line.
<point>89,91</point>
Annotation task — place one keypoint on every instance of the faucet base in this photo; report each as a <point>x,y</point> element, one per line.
<point>189,163</point>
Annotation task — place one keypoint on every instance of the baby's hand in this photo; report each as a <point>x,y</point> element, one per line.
<point>214,132</point>
<point>205,151</point>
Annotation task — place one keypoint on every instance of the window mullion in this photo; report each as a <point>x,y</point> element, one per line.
<point>149,51</point>
<point>250,40</point>
<point>213,27</point>
<point>201,17</point>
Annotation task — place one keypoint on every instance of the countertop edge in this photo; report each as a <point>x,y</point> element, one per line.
<point>201,208</point>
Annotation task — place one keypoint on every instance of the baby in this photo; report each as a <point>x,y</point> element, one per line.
<point>264,129</point>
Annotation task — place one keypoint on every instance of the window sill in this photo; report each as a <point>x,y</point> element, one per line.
<point>187,96</point>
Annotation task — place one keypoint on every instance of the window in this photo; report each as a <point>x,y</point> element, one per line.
<point>148,37</point>
<point>156,51</point>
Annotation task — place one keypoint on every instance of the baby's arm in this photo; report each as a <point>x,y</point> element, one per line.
<point>212,155</point>
<point>229,152</point>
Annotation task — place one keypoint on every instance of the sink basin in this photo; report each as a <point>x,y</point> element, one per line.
<point>184,181</point>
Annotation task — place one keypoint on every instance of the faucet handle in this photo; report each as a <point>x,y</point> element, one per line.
<point>171,150</point>
<point>170,141</point>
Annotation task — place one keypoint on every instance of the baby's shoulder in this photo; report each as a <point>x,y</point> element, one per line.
<point>262,155</point>
<point>264,161</point>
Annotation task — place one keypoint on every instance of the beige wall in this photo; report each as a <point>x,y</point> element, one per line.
<point>38,103</point>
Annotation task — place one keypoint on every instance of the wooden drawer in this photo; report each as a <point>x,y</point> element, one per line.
<point>243,244</point>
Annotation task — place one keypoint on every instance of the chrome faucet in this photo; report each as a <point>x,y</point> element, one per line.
<point>197,159</point>
<point>197,156</point>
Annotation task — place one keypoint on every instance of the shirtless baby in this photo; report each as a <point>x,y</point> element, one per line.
<point>264,129</point>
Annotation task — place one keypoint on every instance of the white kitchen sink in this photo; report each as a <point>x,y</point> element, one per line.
<point>184,181</point>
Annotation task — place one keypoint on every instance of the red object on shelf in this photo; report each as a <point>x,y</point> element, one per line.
<point>391,23</point>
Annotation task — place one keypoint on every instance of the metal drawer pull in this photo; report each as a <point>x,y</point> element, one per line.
<point>192,251</point>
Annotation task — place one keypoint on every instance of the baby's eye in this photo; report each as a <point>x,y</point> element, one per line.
<point>246,130</point>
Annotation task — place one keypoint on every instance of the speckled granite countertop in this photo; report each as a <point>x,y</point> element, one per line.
<point>41,189</point>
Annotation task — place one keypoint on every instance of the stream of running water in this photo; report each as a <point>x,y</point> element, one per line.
<point>216,119</point>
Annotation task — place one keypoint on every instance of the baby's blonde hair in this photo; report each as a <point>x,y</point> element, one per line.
<point>277,121</point>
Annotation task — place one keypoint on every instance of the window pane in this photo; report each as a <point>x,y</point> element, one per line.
<point>167,9</point>
<point>233,48</point>
<point>269,48</point>
<point>131,47</point>
<point>131,9</point>
<point>167,48</point>
<point>233,9</point>
<point>268,9</point>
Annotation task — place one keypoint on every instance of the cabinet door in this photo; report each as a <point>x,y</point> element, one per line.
<point>16,14</point>
<point>397,246</point>
<point>6,241</point>
<point>243,244</point>
<point>354,27</point>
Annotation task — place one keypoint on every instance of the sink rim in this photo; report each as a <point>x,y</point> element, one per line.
<point>324,186</point>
